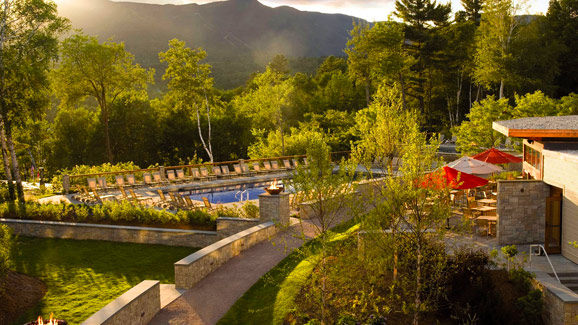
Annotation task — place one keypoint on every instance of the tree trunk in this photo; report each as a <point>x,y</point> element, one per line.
<point>104,112</point>
<point>19,188</point>
<point>209,152</point>
<point>7,163</point>
<point>502,89</point>
<point>417,300</point>
<point>367,97</point>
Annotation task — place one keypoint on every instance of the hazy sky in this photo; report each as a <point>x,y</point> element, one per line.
<point>370,10</point>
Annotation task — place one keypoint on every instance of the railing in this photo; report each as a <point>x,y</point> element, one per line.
<point>239,195</point>
<point>541,247</point>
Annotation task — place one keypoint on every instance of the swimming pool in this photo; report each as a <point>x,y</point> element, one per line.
<point>231,194</point>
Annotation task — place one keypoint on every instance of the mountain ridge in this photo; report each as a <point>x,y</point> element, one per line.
<point>240,36</point>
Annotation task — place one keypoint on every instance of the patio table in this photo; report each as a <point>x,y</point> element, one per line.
<point>490,202</point>
<point>492,220</point>
<point>485,210</point>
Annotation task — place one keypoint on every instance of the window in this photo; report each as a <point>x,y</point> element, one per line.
<point>533,157</point>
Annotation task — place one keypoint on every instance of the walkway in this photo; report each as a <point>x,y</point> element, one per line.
<point>213,296</point>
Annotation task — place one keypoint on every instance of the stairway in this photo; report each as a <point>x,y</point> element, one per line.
<point>570,280</point>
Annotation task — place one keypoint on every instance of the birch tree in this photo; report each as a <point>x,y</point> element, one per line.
<point>28,44</point>
<point>190,84</point>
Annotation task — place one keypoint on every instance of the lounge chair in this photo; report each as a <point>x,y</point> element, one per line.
<point>295,163</point>
<point>207,204</point>
<point>217,172</point>
<point>197,175</point>
<point>139,198</point>
<point>131,180</point>
<point>238,170</point>
<point>181,176</point>
<point>119,179</point>
<point>91,183</point>
<point>103,185</point>
<point>268,167</point>
<point>257,168</point>
<point>287,164</point>
<point>157,178</point>
<point>189,203</point>
<point>164,203</point>
<point>175,201</point>
<point>225,171</point>
<point>205,173</point>
<point>171,177</point>
<point>275,166</point>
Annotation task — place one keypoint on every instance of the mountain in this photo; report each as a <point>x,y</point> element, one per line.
<point>240,36</point>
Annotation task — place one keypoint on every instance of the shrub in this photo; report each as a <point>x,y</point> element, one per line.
<point>6,243</point>
<point>251,211</point>
<point>530,307</point>
<point>224,212</point>
<point>85,169</point>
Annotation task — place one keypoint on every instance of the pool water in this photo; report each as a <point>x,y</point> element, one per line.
<point>232,194</point>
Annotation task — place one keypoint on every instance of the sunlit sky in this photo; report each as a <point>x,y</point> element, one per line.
<point>371,10</point>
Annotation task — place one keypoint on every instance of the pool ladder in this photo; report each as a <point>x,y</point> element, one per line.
<point>239,195</point>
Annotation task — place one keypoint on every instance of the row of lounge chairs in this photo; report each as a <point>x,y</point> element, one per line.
<point>197,174</point>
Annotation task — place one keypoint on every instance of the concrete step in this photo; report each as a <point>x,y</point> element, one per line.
<point>169,294</point>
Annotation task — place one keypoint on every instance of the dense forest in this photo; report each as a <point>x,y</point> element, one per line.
<point>82,101</point>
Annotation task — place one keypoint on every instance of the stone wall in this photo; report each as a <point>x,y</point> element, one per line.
<point>521,211</point>
<point>560,303</point>
<point>230,226</point>
<point>137,306</point>
<point>198,265</point>
<point>126,234</point>
<point>274,208</point>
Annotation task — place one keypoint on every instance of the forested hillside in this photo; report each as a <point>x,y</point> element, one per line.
<point>240,36</point>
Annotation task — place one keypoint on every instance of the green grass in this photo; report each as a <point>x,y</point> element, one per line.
<point>271,298</point>
<point>82,276</point>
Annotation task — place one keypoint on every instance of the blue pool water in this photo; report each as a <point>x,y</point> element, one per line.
<point>232,193</point>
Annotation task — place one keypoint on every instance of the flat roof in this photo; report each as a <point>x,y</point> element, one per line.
<point>539,127</point>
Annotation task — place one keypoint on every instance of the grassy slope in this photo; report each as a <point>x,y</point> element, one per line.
<point>84,276</point>
<point>271,298</point>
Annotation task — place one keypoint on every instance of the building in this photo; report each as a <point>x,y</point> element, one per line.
<point>550,146</point>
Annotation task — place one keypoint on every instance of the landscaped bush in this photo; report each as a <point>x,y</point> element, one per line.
<point>251,211</point>
<point>114,212</point>
<point>6,243</point>
<point>85,169</point>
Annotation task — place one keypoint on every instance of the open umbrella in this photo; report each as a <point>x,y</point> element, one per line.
<point>473,166</point>
<point>453,178</point>
<point>495,156</point>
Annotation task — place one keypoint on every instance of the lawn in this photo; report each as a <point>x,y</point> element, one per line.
<point>271,298</point>
<point>82,276</point>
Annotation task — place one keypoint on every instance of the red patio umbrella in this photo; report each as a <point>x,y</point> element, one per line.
<point>453,178</point>
<point>495,156</point>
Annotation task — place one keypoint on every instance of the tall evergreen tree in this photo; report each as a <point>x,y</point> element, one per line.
<point>563,33</point>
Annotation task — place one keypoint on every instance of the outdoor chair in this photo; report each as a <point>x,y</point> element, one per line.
<point>181,176</point>
<point>148,179</point>
<point>268,167</point>
<point>238,170</point>
<point>287,164</point>
<point>175,201</point>
<point>189,203</point>
<point>305,162</point>
<point>131,180</point>
<point>163,202</point>
<point>205,173</point>
<point>197,175</point>
<point>295,163</point>
<point>275,166</point>
<point>119,179</point>
<point>217,172</point>
<point>171,176</point>
<point>257,168</point>
<point>225,171</point>
<point>246,170</point>
<point>157,178</point>
<point>103,185</point>
<point>139,198</point>
<point>91,183</point>
<point>207,204</point>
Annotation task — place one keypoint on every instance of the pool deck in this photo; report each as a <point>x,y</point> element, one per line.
<point>187,188</point>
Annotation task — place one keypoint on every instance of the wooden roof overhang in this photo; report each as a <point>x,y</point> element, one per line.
<point>535,134</point>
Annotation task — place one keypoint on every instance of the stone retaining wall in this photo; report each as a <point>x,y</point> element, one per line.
<point>521,211</point>
<point>137,306</point>
<point>560,303</point>
<point>126,234</point>
<point>198,265</point>
<point>230,226</point>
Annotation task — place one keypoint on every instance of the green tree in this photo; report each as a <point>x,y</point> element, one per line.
<point>497,30</point>
<point>406,213</point>
<point>103,71</point>
<point>359,60</point>
<point>473,10</point>
<point>28,43</point>
<point>190,84</point>
<point>280,64</point>
<point>563,34</point>
<point>266,105</point>
<point>477,133</point>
